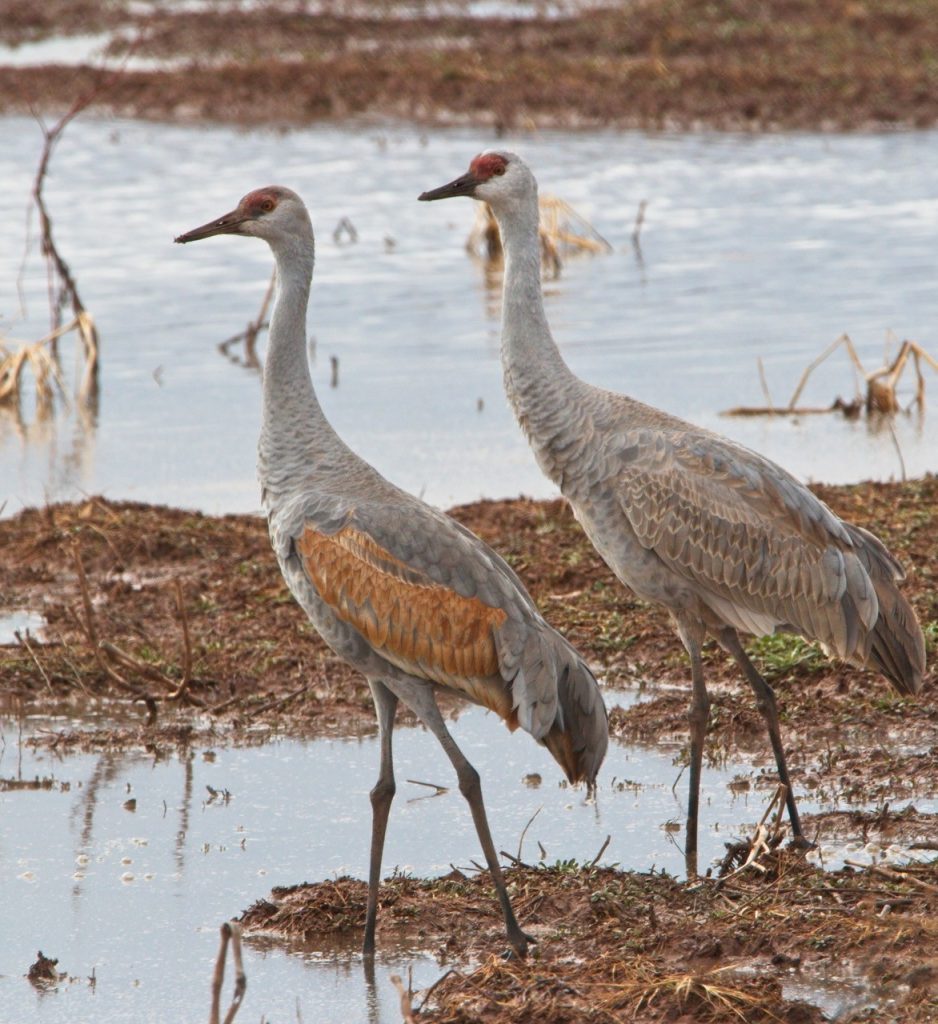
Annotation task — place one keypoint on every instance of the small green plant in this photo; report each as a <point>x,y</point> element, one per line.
<point>783,653</point>
<point>611,635</point>
<point>569,866</point>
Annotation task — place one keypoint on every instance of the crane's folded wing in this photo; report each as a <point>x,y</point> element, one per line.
<point>751,535</point>
<point>431,598</point>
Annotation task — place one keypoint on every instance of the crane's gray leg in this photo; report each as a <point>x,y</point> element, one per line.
<point>698,715</point>
<point>765,701</point>
<point>419,698</point>
<point>381,797</point>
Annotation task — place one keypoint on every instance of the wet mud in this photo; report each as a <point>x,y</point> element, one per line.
<point>618,946</point>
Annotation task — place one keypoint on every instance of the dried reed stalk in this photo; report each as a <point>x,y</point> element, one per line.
<point>880,397</point>
<point>230,932</point>
<point>563,232</point>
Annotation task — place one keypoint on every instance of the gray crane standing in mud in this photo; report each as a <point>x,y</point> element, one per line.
<point>725,539</point>
<point>402,592</point>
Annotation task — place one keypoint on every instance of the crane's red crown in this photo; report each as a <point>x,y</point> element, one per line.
<point>487,165</point>
<point>260,201</point>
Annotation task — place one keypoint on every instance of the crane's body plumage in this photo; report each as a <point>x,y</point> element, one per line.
<point>719,534</point>
<point>725,539</point>
<point>402,592</point>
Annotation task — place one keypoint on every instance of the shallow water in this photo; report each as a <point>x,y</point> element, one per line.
<point>753,247</point>
<point>22,622</point>
<point>136,896</point>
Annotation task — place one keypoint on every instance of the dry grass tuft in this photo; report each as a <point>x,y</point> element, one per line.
<point>563,233</point>
<point>42,357</point>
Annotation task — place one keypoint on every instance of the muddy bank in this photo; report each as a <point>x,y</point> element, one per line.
<point>735,65</point>
<point>619,946</point>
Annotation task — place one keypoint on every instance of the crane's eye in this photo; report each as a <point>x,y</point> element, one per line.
<point>267,205</point>
<point>500,168</point>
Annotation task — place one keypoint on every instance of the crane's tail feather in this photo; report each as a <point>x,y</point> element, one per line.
<point>580,733</point>
<point>554,696</point>
<point>896,643</point>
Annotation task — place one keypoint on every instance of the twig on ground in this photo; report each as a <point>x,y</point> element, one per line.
<point>439,981</point>
<point>844,340</point>
<point>880,385</point>
<point>764,839</point>
<point>100,648</point>
<point>90,630</point>
<point>440,790</point>
<point>894,876</point>
<point>637,229</point>
<point>186,646</point>
<point>274,703</point>
<point>248,337</point>
<point>602,850</point>
<point>23,639</point>
<point>518,863</point>
<point>765,385</point>
<point>344,229</point>
<point>524,831</point>
<point>895,444</point>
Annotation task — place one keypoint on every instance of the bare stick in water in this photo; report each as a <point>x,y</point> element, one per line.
<point>230,932</point>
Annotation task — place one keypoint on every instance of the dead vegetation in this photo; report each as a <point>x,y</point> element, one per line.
<point>877,397</point>
<point>42,357</point>
<point>43,972</point>
<point>191,614</point>
<point>563,233</point>
<point>230,936</point>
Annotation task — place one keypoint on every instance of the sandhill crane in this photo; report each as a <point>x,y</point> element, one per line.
<point>725,539</point>
<point>403,593</point>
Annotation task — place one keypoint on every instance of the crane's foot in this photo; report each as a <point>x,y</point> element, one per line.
<point>800,842</point>
<point>519,946</point>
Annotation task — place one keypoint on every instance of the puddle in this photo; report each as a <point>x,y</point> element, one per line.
<point>127,865</point>
<point>836,855</point>
<point>820,233</point>
<point>20,622</point>
<point>838,993</point>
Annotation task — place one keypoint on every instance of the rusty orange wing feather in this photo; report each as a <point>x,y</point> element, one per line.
<point>419,624</point>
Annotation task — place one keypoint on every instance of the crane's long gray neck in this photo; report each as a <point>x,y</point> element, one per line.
<point>297,443</point>
<point>538,382</point>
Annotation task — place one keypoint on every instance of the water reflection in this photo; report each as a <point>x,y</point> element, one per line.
<point>103,775</point>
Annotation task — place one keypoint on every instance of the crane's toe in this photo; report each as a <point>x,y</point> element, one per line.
<point>519,945</point>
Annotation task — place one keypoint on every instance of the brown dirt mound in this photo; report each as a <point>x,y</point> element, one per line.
<point>617,946</point>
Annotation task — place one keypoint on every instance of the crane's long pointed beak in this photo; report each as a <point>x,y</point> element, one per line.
<point>230,224</point>
<point>464,186</point>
